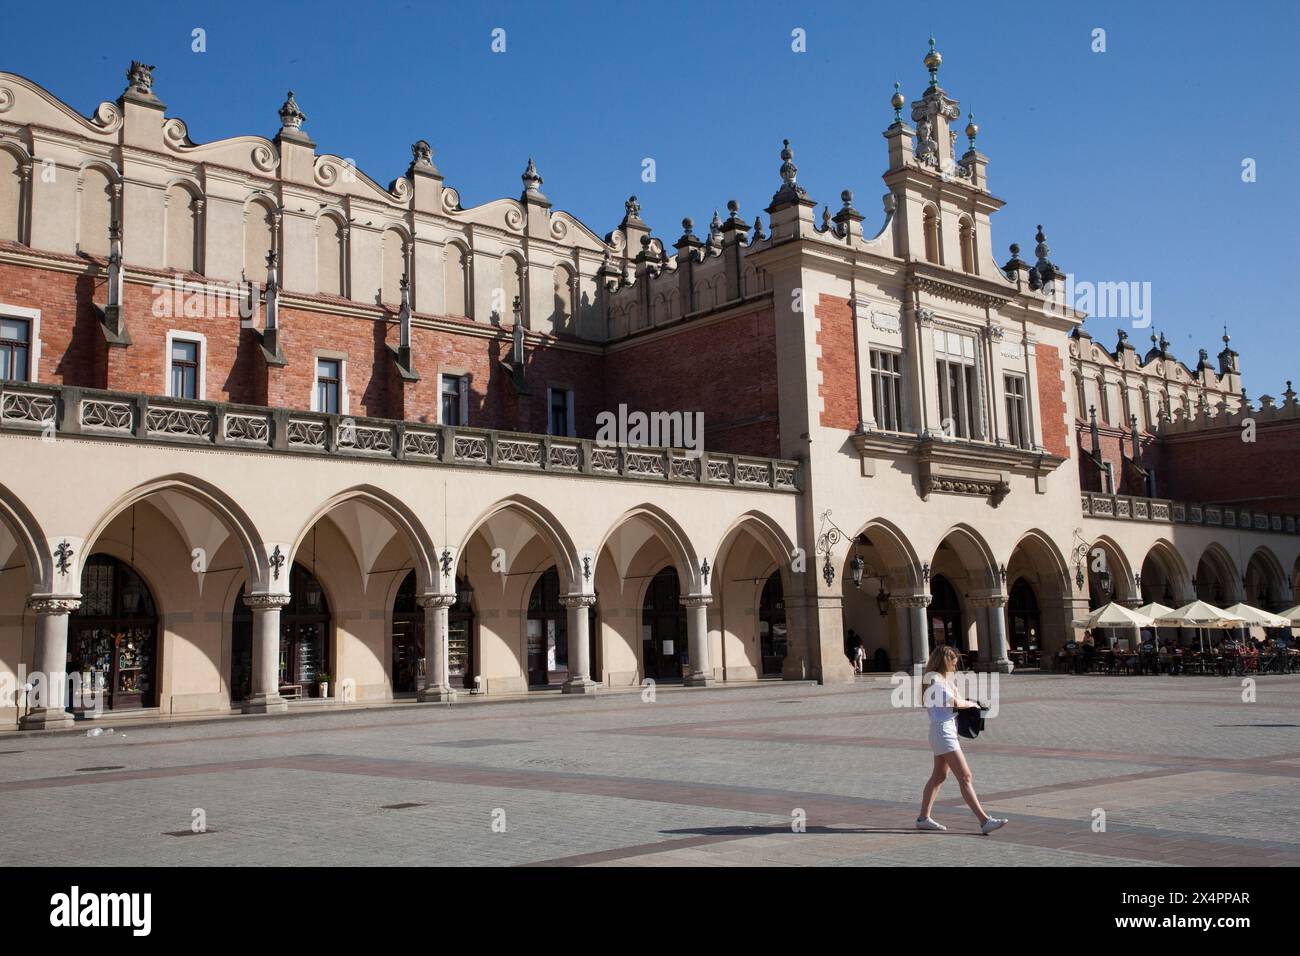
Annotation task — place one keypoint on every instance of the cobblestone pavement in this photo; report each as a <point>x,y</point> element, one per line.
<point>1183,770</point>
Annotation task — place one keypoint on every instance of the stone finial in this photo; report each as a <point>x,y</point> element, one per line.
<point>139,78</point>
<point>421,153</point>
<point>846,197</point>
<point>531,177</point>
<point>632,209</point>
<point>826,218</point>
<point>291,117</point>
<point>1041,250</point>
<point>715,228</point>
<point>758,228</point>
<point>688,228</point>
<point>1289,394</point>
<point>1015,263</point>
<point>971,130</point>
<point>897,101</point>
<point>789,171</point>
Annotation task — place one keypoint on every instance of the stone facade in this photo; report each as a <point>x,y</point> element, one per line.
<point>248,363</point>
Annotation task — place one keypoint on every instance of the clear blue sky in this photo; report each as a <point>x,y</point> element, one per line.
<point>1130,158</point>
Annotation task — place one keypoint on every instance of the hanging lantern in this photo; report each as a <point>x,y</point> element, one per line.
<point>131,595</point>
<point>882,600</point>
<point>856,567</point>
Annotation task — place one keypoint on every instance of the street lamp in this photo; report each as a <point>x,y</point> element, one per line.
<point>882,599</point>
<point>856,567</point>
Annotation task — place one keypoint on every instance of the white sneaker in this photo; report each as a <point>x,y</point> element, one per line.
<point>991,824</point>
<point>928,824</point>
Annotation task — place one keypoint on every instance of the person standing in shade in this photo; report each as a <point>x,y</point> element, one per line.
<point>942,703</point>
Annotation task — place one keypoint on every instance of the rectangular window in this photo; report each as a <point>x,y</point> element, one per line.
<point>15,349</point>
<point>185,369</point>
<point>455,399</point>
<point>958,389</point>
<point>887,390</point>
<point>1017,411</point>
<point>560,418</point>
<point>328,382</point>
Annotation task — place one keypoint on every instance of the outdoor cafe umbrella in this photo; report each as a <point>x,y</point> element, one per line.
<point>1199,615</point>
<point>1155,611</point>
<point>1253,616</point>
<point>1114,615</point>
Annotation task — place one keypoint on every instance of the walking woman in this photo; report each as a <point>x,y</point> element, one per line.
<point>940,700</point>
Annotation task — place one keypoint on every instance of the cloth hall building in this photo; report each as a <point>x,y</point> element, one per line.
<point>272,430</point>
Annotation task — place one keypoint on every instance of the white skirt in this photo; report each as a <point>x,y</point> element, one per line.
<point>943,737</point>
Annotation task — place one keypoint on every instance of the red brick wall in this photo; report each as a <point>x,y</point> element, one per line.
<point>1217,467</point>
<point>1051,400</point>
<point>69,326</point>
<point>838,363</point>
<point>727,370</point>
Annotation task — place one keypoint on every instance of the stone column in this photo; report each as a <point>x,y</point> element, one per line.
<point>437,683</point>
<point>580,681</point>
<point>265,697</point>
<point>903,626</point>
<point>916,605</point>
<point>697,630</point>
<point>995,633</point>
<point>51,660</point>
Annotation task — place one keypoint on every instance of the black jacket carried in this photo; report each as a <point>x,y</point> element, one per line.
<point>970,721</point>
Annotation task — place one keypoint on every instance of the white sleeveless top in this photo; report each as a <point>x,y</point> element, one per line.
<point>939,699</point>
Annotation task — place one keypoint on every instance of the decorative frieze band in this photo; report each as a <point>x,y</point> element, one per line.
<point>53,605</point>
<point>436,600</point>
<point>577,600</point>
<point>265,602</point>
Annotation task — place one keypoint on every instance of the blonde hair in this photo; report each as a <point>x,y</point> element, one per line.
<point>943,660</point>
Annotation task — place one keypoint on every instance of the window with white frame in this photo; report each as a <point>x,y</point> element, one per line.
<point>184,378</point>
<point>887,390</point>
<point>329,385</point>
<point>559,417</point>
<point>1017,411</point>
<point>15,349</point>
<point>958,383</point>
<point>453,399</point>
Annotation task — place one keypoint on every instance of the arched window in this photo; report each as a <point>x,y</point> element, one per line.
<point>455,281</point>
<point>394,266</point>
<point>113,636</point>
<point>562,317</point>
<point>182,229</point>
<point>11,197</point>
<point>512,286</point>
<point>967,233</point>
<point>96,212</point>
<point>331,256</point>
<point>259,240</point>
<point>930,226</point>
<point>771,625</point>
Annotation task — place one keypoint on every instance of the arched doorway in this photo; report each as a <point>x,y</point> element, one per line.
<point>548,645</point>
<point>945,614</point>
<point>408,639</point>
<point>771,625</point>
<point>113,636</point>
<point>663,628</point>
<point>305,633</point>
<point>1025,621</point>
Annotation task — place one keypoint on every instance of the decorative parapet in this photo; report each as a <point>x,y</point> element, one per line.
<point>55,411</point>
<point>1162,511</point>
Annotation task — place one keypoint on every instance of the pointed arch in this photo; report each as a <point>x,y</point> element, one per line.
<point>235,519</point>
<point>543,521</point>
<point>684,559</point>
<point>887,538</point>
<point>23,525</point>
<point>423,550</point>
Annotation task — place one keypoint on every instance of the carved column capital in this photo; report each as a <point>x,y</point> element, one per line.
<point>696,600</point>
<point>577,600</point>
<point>436,600</point>
<point>48,604</point>
<point>910,600</point>
<point>264,602</point>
